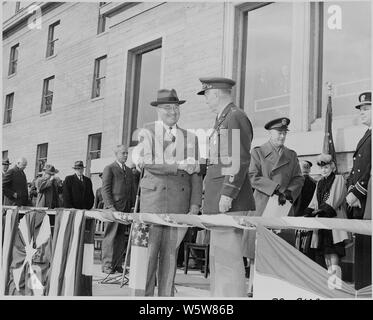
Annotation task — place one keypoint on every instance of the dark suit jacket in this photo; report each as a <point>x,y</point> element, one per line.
<point>76,194</point>
<point>357,182</point>
<point>14,181</point>
<point>118,187</point>
<point>305,197</point>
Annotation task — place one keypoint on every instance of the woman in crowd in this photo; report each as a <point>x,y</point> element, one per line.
<point>48,186</point>
<point>328,202</point>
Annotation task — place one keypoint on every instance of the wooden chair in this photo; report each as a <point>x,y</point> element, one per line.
<point>99,236</point>
<point>198,247</point>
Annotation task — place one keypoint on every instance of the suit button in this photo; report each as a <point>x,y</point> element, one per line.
<point>182,189</point>
<point>359,155</point>
<point>182,175</point>
<point>164,188</point>
<point>354,158</point>
<point>358,170</point>
<point>352,172</point>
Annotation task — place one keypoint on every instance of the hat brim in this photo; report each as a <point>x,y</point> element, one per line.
<point>157,103</point>
<point>201,93</point>
<point>51,172</point>
<point>80,167</point>
<point>363,104</point>
<point>278,129</point>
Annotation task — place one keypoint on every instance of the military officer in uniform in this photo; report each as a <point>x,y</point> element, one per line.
<point>274,170</point>
<point>357,185</point>
<point>227,184</point>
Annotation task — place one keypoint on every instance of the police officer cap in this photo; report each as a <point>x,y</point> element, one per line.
<point>365,99</point>
<point>278,124</point>
<point>215,83</point>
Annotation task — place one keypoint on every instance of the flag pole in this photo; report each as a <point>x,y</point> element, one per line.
<point>122,283</point>
<point>328,146</point>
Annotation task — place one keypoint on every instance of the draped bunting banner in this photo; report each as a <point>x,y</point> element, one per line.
<point>68,269</point>
<point>283,272</point>
<point>30,258</point>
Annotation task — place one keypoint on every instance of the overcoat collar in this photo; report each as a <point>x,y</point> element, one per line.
<point>270,154</point>
<point>223,115</point>
<point>363,139</point>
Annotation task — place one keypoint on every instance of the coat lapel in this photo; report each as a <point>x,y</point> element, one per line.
<point>283,159</point>
<point>269,153</point>
<point>119,168</point>
<point>362,140</point>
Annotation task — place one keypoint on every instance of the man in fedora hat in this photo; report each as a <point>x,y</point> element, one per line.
<point>15,189</point>
<point>118,193</point>
<point>48,187</point>
<point>77,189</point>
<point>357,194</point>
<point>227,185</point>
<point>170,184</point>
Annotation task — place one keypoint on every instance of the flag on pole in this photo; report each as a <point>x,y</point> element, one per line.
<point>328,147</point>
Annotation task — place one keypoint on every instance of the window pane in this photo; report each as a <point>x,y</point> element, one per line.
<point>95,142</point>
<point>347,56</point>
<point>148,87</point>
<point>43,150</point>
<point>5,154</point>
<point>267,71</point>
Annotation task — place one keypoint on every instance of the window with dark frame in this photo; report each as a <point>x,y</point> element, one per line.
<point>351,43</point>
<point>47,99</point>
<point>99,77</point>
<point>94,149</point>
<point>13,59</point>
<point>101,23</point>
<point>5,155</point>
<point>143,81</point>
<point>264,84</point>
<point>51,46</point>
<point>41,158</point>
<point>9,100</point>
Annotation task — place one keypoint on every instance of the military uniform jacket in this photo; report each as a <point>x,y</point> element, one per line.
<point>267,170</point>
<point>357,182</point>
<point>164,188</point>
<point>220,180</point>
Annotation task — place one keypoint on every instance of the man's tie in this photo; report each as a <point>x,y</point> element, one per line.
<point>173,138</point>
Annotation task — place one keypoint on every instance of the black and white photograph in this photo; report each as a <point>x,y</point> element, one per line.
<point>192,151</point>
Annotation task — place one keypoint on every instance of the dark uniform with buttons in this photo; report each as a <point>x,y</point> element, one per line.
<point>357,183</point>
<point>233,125</point>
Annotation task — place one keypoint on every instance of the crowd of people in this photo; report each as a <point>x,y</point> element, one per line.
<point>177,184</point>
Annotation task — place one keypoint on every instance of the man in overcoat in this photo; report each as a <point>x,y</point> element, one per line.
<point>118,193</point>
<point>227,185</point>
<point>274,170</point>
<point>15,189</point>
<point>357,186</point>
<point>171,184</point>
<point>77,189</point>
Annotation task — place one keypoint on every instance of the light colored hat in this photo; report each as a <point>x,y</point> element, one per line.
<point>324,159</point>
